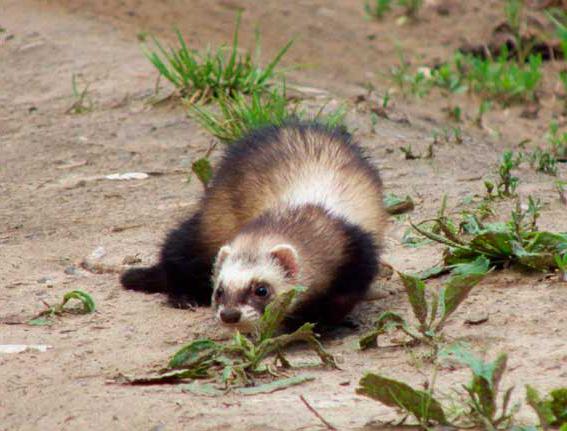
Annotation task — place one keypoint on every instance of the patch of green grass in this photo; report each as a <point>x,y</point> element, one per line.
<point>431,308</point>
<point>499,79</point>
<point>47,316</point>
<point>214,73</point>
<point>238,362</point>
<point>493,79</point>
<point>239,115</point>
<point>516,242</point>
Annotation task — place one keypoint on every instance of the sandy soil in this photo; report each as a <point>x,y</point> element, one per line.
<point>56,208</point>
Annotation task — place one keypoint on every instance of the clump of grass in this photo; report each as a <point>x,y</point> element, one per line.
<point>240,361</point>
<point>493,79</point>
<point>239,115</point>
<point>517,242</point>
<point>499,79</point>
<point>432,313</point>
<point>83,103</point>
<point>47,316</point>
<point>214,73</point>
<point>480,405</point>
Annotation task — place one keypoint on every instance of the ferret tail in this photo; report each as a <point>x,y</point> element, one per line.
<point>151,279</point>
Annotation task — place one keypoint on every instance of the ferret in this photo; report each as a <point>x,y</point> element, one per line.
<point>291,205</point>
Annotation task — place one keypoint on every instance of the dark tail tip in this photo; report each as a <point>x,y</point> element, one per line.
<point>151,279</point>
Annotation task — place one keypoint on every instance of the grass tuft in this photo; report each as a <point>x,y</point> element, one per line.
<point>214,73</point>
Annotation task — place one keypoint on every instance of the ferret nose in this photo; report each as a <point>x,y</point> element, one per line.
<point>230,315</point>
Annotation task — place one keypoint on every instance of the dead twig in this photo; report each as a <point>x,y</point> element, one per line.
<point>316,413</point>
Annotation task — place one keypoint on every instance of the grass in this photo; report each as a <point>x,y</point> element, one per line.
<point>83,102</point>
<point>214,73</point>
<point>239,115</point>
<point>47,316</point>
<point>492,79</point>
<point>238,362</point>
<point>432,313</point>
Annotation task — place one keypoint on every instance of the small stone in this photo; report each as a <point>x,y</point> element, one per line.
<point>71,270</point>
<point>45,280</point>
<point>476,319</point>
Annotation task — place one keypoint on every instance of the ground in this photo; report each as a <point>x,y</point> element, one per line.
<point>57,209</point>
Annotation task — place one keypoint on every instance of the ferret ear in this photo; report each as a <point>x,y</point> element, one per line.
<point>223,253</point>
<point>287,257</point>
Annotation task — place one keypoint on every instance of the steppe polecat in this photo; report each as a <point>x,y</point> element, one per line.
<point>292,205</point>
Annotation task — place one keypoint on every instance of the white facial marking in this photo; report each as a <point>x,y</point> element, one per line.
<point>234,274</point>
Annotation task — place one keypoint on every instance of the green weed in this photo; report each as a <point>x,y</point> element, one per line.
<point>377,8</point>
<point>83,103</point>
<point>516,242</point>
<point>479,407</point>
<point>499,79</point>
<point>214,74</point>
<point>430,308</point>
<point>507,182</point>
<point>551,410</point>
<point>238,362</point>
<point>557,141</point>
<point>47,316</point>
<point>543,161</point>
<point>561,261</point>
<point>483,389</point>
<point>398,205</point>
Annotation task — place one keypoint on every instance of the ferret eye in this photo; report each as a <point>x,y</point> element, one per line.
<point>261,291</point>
<point>219,293</point>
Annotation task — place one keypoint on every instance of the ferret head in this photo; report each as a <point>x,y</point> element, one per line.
<point>245,283</point>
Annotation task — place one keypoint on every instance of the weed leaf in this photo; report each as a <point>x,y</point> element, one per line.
<point>397,394</point>
<point>203,170</point>
<point>85,298</point>
<point>415,289</point>
<point>193,353</point>
<point>275,313</point>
